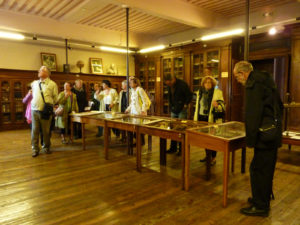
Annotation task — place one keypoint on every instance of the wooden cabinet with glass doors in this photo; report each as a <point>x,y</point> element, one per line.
<point>171,65</point>
<point>12,108</point>
<point>200,61</point>
<point>147,76</point>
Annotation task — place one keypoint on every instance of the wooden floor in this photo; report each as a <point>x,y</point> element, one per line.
<point>72,186</point>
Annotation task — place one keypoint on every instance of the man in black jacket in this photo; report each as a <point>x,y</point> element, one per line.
<point>263,116</point>
<point>179,98</point>
<point>82,103</point>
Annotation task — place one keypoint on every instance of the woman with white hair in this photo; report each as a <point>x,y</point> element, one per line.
<point>209,107</point>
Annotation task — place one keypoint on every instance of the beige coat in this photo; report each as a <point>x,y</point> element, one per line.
<point>114,100</point>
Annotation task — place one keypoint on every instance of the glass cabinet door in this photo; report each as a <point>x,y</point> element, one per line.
<point>178,68</point>
<point>213,62</point>
<point>167,70</point>
<point>18,104</point>
<point>6,102</point>
<point>142,74</point>
<point>198,71</point>
<point>151,77</point>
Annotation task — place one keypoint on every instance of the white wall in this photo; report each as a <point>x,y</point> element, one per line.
<point>26,56</point>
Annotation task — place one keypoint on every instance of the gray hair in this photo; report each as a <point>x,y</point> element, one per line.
<point>124,82</point>
<point>45,68</point>
<point>243,66</point>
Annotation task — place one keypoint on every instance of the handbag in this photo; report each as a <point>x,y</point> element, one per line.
<point>59,111</point>
<point>48,108</point>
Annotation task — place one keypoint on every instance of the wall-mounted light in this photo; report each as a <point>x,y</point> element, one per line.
<point>222,34</point>
<point>111,49</point>
<point>215,60</point>
<point>9,35</point>
<point>152,49</point>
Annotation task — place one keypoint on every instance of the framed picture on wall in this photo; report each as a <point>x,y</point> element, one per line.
<point>49,60</point>
<point>96,65</point>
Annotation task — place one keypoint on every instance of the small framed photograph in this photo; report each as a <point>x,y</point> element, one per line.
<point>49,60</point>
<point>96,65</point>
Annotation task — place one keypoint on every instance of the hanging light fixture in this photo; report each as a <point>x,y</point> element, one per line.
<point>111,49</point>
<point>10,35</point>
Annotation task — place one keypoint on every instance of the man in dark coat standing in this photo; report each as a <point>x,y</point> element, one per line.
<point>82,103</point>
<point>180,97</point>
<point>263,121</point>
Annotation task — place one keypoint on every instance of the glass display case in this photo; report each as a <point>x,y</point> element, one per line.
<point>177,125</point>
<point>136,120</point>
<point>107,115</point>
<point>227,131</point>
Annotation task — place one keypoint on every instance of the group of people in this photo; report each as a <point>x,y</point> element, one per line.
<point>210,106</point>
<point>263,124</point>
<point>263,116</point>
<point>44,92</point>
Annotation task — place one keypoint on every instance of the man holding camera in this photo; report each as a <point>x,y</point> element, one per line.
<point>44,96</point>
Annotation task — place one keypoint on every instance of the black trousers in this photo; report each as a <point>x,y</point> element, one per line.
<point>213,153</point>
<point>262,170</point>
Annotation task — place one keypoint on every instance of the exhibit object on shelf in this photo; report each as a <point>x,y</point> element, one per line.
<point>112,69</point>
<point>49,60</point>
<point>80,65</point>
<point>96,65</point>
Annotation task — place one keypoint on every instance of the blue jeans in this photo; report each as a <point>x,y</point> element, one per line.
<point>180,115</point>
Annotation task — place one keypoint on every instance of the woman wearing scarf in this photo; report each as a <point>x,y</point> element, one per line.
<point>209,100</point>
<point>67,103</point>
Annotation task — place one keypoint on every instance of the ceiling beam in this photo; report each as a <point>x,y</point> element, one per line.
<point>175,10</point>
<point>12,21</point>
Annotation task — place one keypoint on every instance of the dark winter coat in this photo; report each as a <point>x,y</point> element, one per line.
<point>182,96</point>
<point>261,99</point>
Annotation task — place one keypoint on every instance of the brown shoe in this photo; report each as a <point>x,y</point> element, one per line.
<point>35,154</point>
<point>47,151</point>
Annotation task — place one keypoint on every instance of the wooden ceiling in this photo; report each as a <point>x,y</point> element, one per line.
<point>112,17</point>
<point>108,16</point>
<point>231,8</point>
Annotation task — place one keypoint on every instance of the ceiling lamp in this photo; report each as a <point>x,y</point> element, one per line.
<point>9,35</point>
<point>111,49</point>
<point>222,34</point>
<point>273,31</point>
<point>152,49</point>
